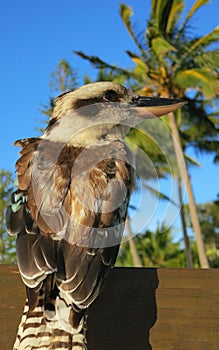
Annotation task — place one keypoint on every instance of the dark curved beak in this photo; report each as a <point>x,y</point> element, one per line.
<point>149,107</point>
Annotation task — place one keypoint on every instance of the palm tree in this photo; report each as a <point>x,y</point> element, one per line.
<point>171,63</point>
<point>155,250</point>
<point>134,251</point>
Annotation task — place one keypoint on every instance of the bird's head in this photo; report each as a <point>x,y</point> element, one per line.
<point>100,111</point>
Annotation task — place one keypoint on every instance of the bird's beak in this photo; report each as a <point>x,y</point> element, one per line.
<point>150,107</point>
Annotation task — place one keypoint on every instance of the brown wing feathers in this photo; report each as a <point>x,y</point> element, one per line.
<point>81,188</point>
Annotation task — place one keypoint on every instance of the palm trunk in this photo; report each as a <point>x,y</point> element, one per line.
<point>185,177</point>
<point>188,255</point>
<point>135,257</point>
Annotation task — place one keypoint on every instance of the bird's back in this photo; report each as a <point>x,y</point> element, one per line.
<point>68,213</point>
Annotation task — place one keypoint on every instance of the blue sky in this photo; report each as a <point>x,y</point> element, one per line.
<point>36,35</point>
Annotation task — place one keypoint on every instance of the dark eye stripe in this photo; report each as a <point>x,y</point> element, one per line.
<point>111,96</point>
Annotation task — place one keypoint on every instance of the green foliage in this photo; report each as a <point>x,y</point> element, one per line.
<point>7,243</point>
<point>201,79</point>
<point>107,71</point>
<point>171,63</point>
<point>197,4</point>
<point>63,79</point>
<point>152,141</point>
<point>164,17</point>
<point>161,46</point>
<point>209,221</point>
<point>156,249</point>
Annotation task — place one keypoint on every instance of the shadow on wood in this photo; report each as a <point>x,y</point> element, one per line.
<point>139,309</point>
<point>126,311</point>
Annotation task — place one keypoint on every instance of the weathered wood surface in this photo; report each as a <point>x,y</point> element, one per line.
<point>139,309</point>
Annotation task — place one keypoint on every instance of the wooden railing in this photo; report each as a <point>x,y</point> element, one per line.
<point>139,309</point>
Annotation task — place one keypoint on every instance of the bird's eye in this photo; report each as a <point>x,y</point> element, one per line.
<point>111,96</point>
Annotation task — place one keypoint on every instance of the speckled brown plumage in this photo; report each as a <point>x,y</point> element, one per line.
<point>69,211</point>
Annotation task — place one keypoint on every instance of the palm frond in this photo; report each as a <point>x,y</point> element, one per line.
<point>175,12</point>
<point>191,161</point>
<point>199,79</point>
<point>161,46</point>
<point>196,45</point>
<point>190,14</point>
<point>209,59</point>
<point>159,194</point>
<point>126,13</point>
<point>195,7</point>
<point>100,64</point>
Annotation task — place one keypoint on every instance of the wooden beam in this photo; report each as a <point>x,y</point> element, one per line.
<point>139,309</point>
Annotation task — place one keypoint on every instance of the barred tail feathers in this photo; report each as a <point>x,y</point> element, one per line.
<point>36,333</point>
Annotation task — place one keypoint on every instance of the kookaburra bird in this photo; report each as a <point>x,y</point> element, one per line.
<point>69,211</point>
